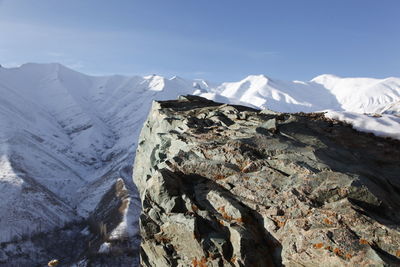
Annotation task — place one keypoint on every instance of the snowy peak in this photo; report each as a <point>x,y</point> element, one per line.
<point>254,81</point>
<point>325,78</point>
<point>44,71</point>
<point>155,82</point>
<point>248,86</point>
<point>260,78</point>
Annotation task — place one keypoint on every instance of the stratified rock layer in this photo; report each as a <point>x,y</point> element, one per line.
<point>225,185</point>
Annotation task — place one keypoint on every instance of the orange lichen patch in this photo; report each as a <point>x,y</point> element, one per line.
<point>331,213</point>
<point>327,221</point>
<point>162,239</point>
<point>328,248</point>
<point>280,223</point>
<point>318,245</point>
<point>233,259</point>
<point>398,253</point>
<point>199,263</point>
<point>338,252</point>
<point>224,214</point>
<point>219,177</point>
<point>348,256</point>
<point>195,208</point>
<point>363,242</point>
<point>227,217</point>
<point>239,220</point>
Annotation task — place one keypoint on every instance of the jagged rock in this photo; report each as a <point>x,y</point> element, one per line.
<point>225,185</point>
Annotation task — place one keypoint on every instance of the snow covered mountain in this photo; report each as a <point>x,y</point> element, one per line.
<point>61,133</point>
<point>362,95</point>
<point>66,137</point>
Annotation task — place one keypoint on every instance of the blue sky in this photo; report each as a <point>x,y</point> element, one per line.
<point>220,40</point>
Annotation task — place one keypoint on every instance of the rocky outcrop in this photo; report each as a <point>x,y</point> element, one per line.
<point>225,185</point>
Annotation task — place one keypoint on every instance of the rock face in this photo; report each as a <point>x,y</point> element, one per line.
<point>225,185</point>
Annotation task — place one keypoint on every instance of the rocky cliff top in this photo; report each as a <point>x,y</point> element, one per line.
<point>225,185</point>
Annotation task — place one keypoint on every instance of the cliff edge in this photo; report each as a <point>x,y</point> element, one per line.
<point>225,185</point>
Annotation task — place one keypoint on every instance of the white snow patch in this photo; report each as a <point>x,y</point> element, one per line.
<point>380,125</point>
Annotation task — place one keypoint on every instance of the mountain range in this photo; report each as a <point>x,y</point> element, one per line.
<point>67,137</point>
